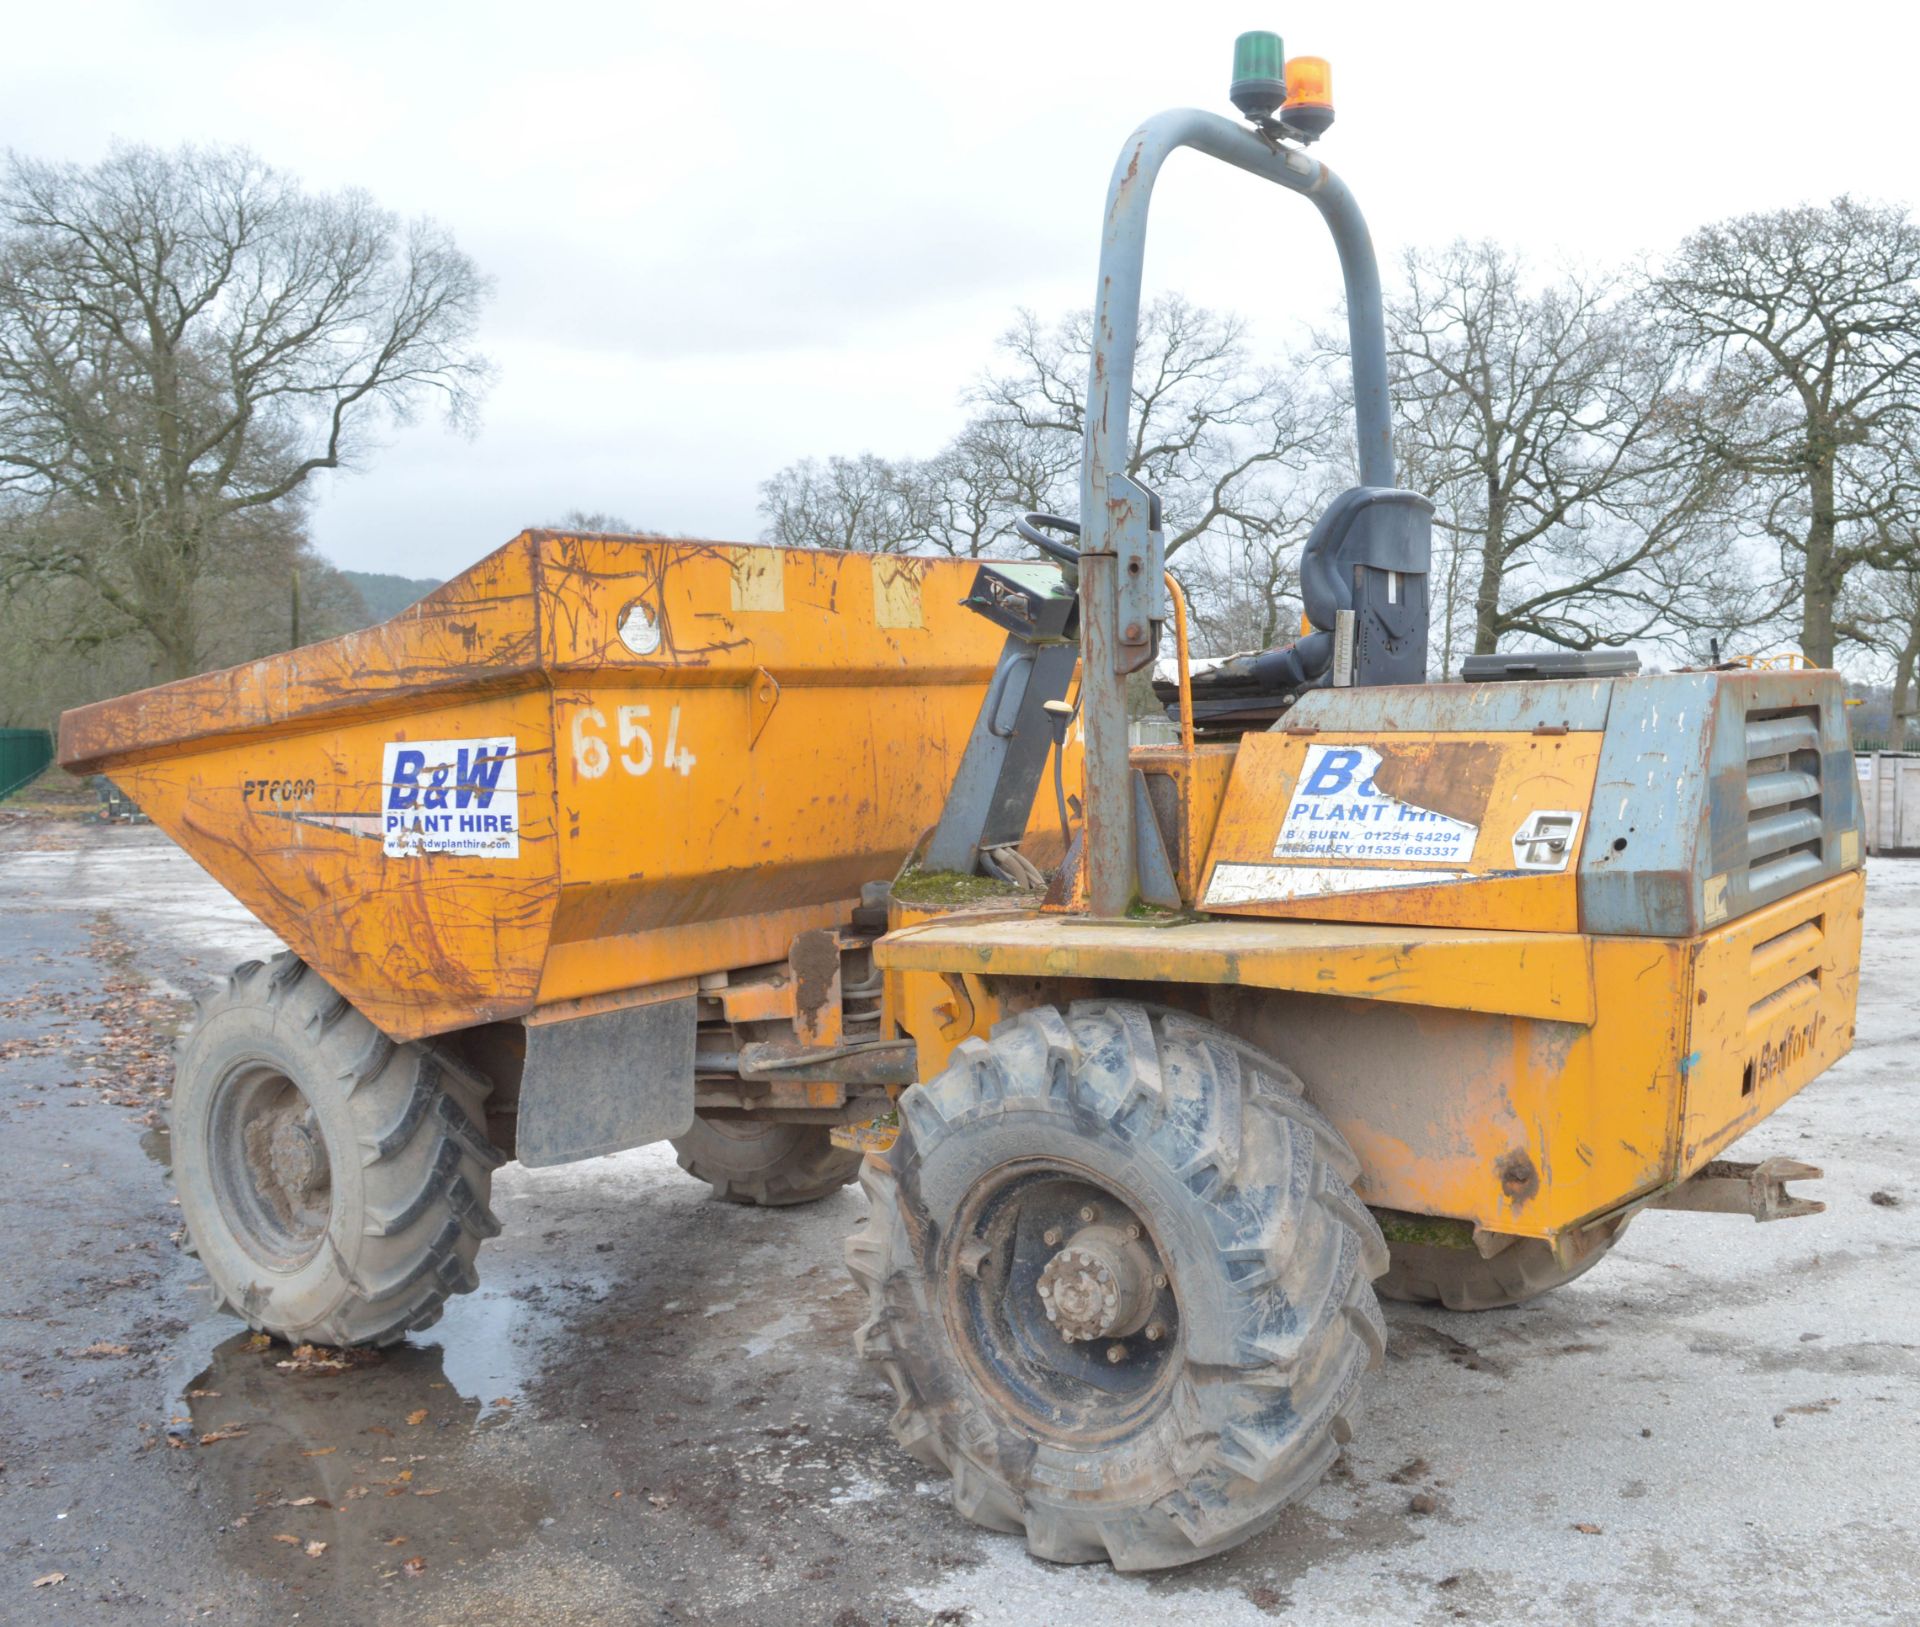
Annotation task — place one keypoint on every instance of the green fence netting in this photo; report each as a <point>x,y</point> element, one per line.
<point>23,753</point>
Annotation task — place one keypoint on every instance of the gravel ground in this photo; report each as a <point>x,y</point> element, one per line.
<point>650,1410</point>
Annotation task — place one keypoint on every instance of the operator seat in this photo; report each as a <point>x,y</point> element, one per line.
<point>1368,553</point>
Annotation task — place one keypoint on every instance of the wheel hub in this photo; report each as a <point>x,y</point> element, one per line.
<point>1060,1299</point>
<point>269,1165</point>
<point>1100,1286</point>
<point>297,1162</point>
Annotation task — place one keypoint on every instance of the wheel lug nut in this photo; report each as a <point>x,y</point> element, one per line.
<point>1116,1353</point>
<point>1159,1279</point>
<point>1051,1237</point>
<point>1089,1213</point>
<point>1155,1332</point>
<point>1133,1233</point>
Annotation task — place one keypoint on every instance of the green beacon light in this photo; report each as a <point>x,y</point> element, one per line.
<point>1259,76</point>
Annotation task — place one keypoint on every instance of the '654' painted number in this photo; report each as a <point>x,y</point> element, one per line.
<point>593,755</point>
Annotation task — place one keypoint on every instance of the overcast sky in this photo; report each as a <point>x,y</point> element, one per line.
<point>729,235</point>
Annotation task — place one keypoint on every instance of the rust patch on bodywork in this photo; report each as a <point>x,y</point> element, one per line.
<point>1451,777</point>
<point>816,963</point>
<point>1518,1178</point>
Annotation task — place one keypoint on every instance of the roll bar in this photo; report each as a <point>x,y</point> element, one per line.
<point>1118,536</point>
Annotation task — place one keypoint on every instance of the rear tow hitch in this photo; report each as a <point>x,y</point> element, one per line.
<point>1725,1187</point>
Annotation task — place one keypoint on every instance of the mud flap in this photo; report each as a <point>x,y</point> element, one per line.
<point>606,1082</point>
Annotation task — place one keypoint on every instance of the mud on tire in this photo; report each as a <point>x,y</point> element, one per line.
<point>1268,1327</point>
<point>769,1164</point>
<point>333,1183</point>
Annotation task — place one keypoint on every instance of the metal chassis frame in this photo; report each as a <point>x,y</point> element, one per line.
<point>1106,512</point>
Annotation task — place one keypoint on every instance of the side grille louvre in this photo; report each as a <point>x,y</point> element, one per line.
<point>1784,825</point>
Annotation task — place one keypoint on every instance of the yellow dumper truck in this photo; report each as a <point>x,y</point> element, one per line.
<point>1157,1076</point>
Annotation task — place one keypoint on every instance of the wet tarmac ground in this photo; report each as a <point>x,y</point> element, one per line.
<point>650,1411</point>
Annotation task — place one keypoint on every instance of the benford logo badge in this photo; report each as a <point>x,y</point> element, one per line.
<point>1776,1056</point>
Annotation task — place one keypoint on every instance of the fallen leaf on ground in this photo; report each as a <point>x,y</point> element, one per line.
<point>322,1359</point>
<point>1586,1528</point>
<point>415,1566</point>
<point>657,1500</point>
<point>103,1348</point>
<point>287,1537</point>
<point>260,1341</point>
<point>203,1395</point>
<point>222,1434</point>
<point>321,1452</point>
<point>419,1417</point>
<point>51,1579</point>
<point>315,1549</point>
<point>395,1542</point>
<point>300,1502</point>
<point>430,1491</point>
<point>353,1494</point>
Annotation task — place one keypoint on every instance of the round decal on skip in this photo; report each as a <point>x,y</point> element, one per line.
<point>638,629</point>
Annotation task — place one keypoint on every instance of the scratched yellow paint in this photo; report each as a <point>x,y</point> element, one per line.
<point>660,836</point>
<point>1773,1008</point>
<point>1524,1081</point>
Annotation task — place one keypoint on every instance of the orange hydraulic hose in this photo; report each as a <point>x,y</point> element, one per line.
<point>1180,645</point>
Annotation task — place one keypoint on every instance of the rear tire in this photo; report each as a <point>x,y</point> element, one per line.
<point>333,1183</point>
<point>1158,1385</point>
<point>750,1161</point>
<point>1461,1279</point>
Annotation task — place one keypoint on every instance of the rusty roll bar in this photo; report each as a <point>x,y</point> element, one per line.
<point>1109,506</point>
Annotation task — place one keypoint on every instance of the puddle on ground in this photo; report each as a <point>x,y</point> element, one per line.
<point>389,1459</point>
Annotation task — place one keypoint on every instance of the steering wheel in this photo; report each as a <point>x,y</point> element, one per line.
<point>1033,528</point>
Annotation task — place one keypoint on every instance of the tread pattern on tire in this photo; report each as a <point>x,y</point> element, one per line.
<point>1461,1279</point>
<point>418,1119</point>
<point>789,1163</point>
<point>1267,1397</point>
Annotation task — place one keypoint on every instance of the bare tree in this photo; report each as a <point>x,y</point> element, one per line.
<point>1806,323</point>
<point>263,589</point>
<point>961,501</point>
<point>1546,424</point>
<point>185,339</point>
<point>1879,611</point>
<point>1222,439</point>
<point>1244,593</point>
<point>1237,452</point>
<point>864,503</point>
<point>594,520</point>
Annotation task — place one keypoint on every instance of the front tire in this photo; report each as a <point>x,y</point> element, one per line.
<point>1119,1281</point>
<point>333,1183</point>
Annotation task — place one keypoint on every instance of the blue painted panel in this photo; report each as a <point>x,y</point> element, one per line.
<point>1639,871</point>
<point>1470,708</point>
<point>1670,849</point>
